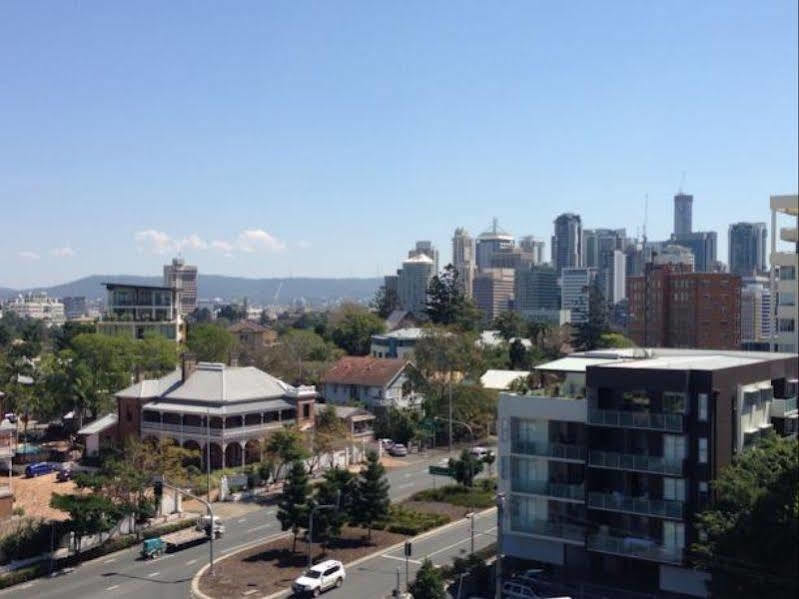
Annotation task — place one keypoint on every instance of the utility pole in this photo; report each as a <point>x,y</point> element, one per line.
<point>207,505</point>
<point>450,411</point>
<point>500,517</point>
<point>208,453</point>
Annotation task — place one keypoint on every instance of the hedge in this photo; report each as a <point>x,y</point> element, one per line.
<point>410,522</point>
<point>480,496</point>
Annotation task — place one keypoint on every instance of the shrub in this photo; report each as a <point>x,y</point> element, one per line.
<point>477,497</point>
<point>22,575</point>
<point>18,511</point>
<point>410,522</point>
<point>28,539</point>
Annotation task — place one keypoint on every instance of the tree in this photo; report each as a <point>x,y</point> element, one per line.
<point>488,459</point>
<point>210,342</point>
<point>292,509</point>
<point>517,354</point>
<point>510,325</point>
<point>588,334</point>
<point>614,340</point>
<point>372,501</point>
<point>338,489</point>
<point>88,514</point>
<point>385,301</point>
<point>155,356</point>
<point>465,468</point>
<point>429,584</point>
<point>751,529</point>
<point>201,315</point>
<point>330,432</point>
<point>445,298</point>
<point>296,349</point>
<point>63,335</point>
<point>285,446</point>
<point>232,312</point>
<point>352,327</point>
<point>396,424</point>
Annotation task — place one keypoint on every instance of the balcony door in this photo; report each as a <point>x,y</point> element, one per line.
<point>675,448</point>
<point>673,536</point>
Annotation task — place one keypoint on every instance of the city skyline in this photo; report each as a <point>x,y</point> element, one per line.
<point>302,137</point>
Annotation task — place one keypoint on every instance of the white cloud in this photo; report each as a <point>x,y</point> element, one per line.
<point>303,244</point>
<point>64,252</point>
<point>253,240</point>
<point>193,242</point>
<point>26,255</point>
<point>223,246</point>
<point>154,241</point>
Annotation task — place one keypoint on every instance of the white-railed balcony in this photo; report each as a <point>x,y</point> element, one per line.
<point>544,529</point>
<point>655,421</point>
<point>215,433</point>
<point>647,549</point>
<point>553,451</point>
<point>658,508</point>
<point>634,463</point>
<point>574,493</point>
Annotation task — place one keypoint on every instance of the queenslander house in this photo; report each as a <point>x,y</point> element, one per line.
<point>231,409</point>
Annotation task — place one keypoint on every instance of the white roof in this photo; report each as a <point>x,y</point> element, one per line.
<point>268,405</point>
<point>501,379</point>
<point>423,258</point>
<point>99,425</point>
<point>573,364</point>
<point>409,333</point>
<point>712,362</point>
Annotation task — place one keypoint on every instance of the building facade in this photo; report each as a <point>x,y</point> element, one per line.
<point>534,247</point>
<point>669,306</point>
<point>220,411</point>
<point>675,254</point>
<point>784,267</point>
<point>38,306</point>
<point>605,466</point>
<point>75,307</point>
<point>182,277</point>
<point>489,242</point>
<point>138,310</point>
<point>413,280</point>
<point>378,383</point>
<point>756,316</point>
<point>566,247</point>
<point>426,248</point>
<point>463,259</point>
<point>535,288</point>
<point>575,288</point>
<point>398,343</point>
<point>746,249</point>
<point>703,246</point>
<point>683,213</point>
<point>493,291</point>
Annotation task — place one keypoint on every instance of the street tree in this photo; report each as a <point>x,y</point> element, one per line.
<point>428,584</point>
<point>372,501</point>
<point>285,446</point>
<point>210,342</point>
<point>337,488</point>
<point>88,514</point>
<point>465,468</point>
<point>292,509</point>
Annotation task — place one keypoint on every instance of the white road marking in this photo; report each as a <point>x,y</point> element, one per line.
<point>26,586</point>
<point>402,559</point>
<point>191,561</point>
<point>153,574</point>
<point>250,592</point>
<point>112,587</point>
<point>405,485</point>
<point>108,561</point>
<point>254,528</point>
<point>240,520</point>
<point>466,540</point>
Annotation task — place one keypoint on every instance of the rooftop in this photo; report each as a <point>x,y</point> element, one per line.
<point>99,425</point>
<point>364,370</point>
<point>112,285</point>
<point>412,333</point>
<point>501,379</point>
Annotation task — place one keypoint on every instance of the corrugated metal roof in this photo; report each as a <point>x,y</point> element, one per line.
<point>501,379</point>
<point>214,382</point>
<point>152,387</point>
<point>99,425</point>
<point>218,410</point>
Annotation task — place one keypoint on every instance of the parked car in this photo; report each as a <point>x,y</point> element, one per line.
<point>11,417</point>
<point>38,469</point>
<point>321,577</point>
<point>64,473</point>
<point>398,450</point>
<point>516,590</point>
<point>479,452</point>
<point>386,443</point>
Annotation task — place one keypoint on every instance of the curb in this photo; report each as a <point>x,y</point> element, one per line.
<point>195,581</point>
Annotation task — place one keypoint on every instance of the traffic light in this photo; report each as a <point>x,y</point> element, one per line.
<point>408,549</point>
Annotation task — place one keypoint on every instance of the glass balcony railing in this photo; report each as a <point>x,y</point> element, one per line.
<point>550,450</point>
<point>656,421</point>
<point>548,489</point>
<point>545,528</point>
<point>635,462</point>
<point>663,508</point>
<point>634,547</point>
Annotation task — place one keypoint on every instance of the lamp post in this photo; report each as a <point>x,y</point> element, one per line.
<point>207,505</point>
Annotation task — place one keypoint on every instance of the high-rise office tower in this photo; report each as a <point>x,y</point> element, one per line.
<point>535,289</point>
<point>683,213</point>
<point>535,247</point>
<point>703,246</point>
<point>755,314</point>
<point>428,249</point>
<point>747,248</point>
<point>182,277</point>
<point>463,259</point>
<point>412,282</point>
<point>493,291</point>
<point>575,289</point>
<point>491,241</point>
<point>567,242</point>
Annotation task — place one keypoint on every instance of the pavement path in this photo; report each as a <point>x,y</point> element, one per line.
<point>124,574</point>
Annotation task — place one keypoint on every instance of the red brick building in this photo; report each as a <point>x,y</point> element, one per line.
<point>670,306</point>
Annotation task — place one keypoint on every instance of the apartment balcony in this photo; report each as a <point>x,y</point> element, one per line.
<point>553,451</point>
<point>634,547</point>
<point>658,508</point>
<point>568,533</point>
<point>782,408</point>
<point>566,492</point>
<point>215,433</point>
<point>634,463</point>
<point>655,421</point>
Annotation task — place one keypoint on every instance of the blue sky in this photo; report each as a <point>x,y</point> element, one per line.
<point>324,138</point>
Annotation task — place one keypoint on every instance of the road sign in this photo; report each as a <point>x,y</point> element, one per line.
<point>440,470</point>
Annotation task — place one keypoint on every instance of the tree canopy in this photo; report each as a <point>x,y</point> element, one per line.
<point>352,327</point>
<point>748,536</point>
<point>447,305</point>
<point>210,342</point>
<point>428,584</point>
<point>372,501</point>
<point>587,335</point>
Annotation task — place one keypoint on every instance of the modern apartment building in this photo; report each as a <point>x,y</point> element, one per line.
<point>412,282</point>
<point>183,277</point>
<point>784,267</point>
<point>575,287</point>
<point>493,291</point>
<point>605,465</point>
<point>746,249</point>
<point>491,241</point>
<point>567,242</point>
<point>138,310</point>
<point>37,305</point>
<point>463,259</point>
<point>535,288</point>
<point>669,306</point>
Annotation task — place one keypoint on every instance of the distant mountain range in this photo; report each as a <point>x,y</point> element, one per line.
<point>257,291</point>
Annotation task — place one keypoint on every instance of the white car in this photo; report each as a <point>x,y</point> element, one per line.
<point>321,577</point>
<point>398,450</point>
<point>479,452</point>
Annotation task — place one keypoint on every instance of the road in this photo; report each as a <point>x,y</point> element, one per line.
<point>124,574</point>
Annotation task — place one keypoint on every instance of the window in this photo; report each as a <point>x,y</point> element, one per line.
<point>674,489</point>
<point>702,415</point>
<point>702,451</point>
<point>674,403</point>
<point>674,535</point>
<point>787,273</point>
<point>306,411</point>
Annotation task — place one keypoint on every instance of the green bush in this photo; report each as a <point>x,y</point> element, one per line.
<point>28,539</point>
<point>477,497</point>
<point>22,575</point>
<point>410,522</point>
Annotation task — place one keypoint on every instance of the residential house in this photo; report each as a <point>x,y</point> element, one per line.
<point>252,335</point>
<point>377,383</point>
<point>102,432</point>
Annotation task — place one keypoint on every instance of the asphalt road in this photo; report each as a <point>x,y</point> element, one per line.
<point>124,574</point>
